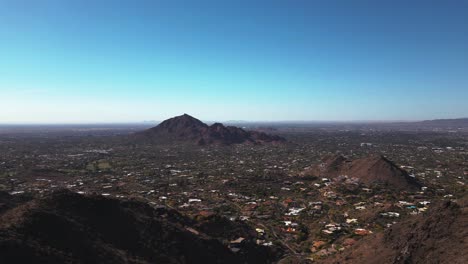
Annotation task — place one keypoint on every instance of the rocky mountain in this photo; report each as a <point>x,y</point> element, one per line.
<point>375,169</point>
<point>440,236</point>
<point>66,227</point>
<point>189,129</point>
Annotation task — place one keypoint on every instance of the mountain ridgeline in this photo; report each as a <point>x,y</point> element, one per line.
<point>186,128</point>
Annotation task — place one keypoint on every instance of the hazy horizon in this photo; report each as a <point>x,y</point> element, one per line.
<point>150,122</point>
<point>85,62</point>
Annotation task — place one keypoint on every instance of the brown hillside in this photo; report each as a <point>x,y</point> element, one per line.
<point>370,170</point>
<point>440,236</point>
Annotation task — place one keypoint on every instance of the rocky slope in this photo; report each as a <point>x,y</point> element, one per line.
<point>440,236</point>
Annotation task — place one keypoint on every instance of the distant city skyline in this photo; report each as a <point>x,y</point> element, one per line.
<point>130,61</point>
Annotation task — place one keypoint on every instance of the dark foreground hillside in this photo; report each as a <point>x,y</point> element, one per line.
<point>70,228</point>
<point>440,236</point>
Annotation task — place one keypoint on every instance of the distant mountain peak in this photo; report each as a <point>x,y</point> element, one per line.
<point>178,123</point>
<point>184,119</point>
<point>189,128</point>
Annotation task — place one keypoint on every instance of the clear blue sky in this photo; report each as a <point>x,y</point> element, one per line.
<point>120,61</point>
